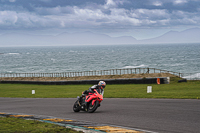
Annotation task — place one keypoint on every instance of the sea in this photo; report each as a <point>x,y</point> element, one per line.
<point>182,58</point>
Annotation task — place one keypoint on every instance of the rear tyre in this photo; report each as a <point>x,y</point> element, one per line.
<point>92,108</point>
<point>76,106</point>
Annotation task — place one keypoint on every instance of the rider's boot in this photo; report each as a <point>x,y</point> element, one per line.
<point>82,97</point>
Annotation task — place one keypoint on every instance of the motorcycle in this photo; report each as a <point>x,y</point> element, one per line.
<point>90,102</point>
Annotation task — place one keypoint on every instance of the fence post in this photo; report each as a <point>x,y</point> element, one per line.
<point>148,70</point>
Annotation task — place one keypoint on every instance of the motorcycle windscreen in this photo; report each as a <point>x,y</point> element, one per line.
<point>100,91</point>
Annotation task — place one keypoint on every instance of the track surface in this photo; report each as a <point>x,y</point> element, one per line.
<point>158,115</point>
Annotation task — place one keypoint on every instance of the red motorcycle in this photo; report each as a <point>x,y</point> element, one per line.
<point>90,102</point>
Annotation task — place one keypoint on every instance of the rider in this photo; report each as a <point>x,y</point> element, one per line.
<point>101,85</point>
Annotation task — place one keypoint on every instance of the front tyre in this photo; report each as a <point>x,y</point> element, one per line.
<point>76,106</point>
<point>92,108</point>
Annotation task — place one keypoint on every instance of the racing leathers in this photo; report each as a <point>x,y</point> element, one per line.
<point>91,90</point>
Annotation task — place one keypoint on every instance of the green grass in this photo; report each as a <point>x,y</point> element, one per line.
<point>41,91</point>
<point>175,90</point>
<point>17,125</point>
<point>181,91</point>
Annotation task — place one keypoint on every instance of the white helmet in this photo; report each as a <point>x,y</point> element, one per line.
<point>102,83</point>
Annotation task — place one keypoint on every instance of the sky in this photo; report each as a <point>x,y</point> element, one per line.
<point>141,19</point>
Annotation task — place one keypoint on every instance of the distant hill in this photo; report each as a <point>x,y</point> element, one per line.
<point>89,38</point>
<point>84,38</point>
<point>186,36</point>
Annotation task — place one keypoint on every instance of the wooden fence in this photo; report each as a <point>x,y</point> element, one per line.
<point>91,73</point>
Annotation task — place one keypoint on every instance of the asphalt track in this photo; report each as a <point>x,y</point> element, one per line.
<point>157,115</point>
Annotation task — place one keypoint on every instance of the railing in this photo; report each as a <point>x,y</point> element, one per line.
<point>92,73</point>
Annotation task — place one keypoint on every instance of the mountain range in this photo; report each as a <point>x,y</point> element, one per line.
<point>89,38</point>
<point>186,36</point>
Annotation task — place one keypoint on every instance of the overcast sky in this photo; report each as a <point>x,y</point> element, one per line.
<point>138,18</point>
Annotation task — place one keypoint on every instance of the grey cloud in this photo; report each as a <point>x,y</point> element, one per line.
<point>23,14</point>
<point>54,10</point>
<point>24,20</point>
<point>12,0</point>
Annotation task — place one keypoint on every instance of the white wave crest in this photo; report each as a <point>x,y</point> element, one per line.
<point>71,51</point>
<point>9,72</point>
<point>140,66</point>
<point>13,53</point>
<point>193,76</point>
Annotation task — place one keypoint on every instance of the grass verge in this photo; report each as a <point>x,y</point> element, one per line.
<point>174,90</point>
<point>17,125</point>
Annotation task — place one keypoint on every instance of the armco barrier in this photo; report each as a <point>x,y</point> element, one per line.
<point>163,80</point>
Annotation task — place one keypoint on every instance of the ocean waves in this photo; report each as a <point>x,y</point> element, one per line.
<point>178,58</point>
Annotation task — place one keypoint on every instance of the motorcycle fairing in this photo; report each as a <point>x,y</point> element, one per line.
<point>89,97</point>
<point>93,101</point>
<point>94,97</point>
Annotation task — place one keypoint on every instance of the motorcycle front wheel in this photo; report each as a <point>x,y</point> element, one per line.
<point>76,106</point>
<point>92,108</point>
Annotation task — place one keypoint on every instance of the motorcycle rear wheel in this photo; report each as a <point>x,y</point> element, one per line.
<point>92,108</point>
<point>76,106</point>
